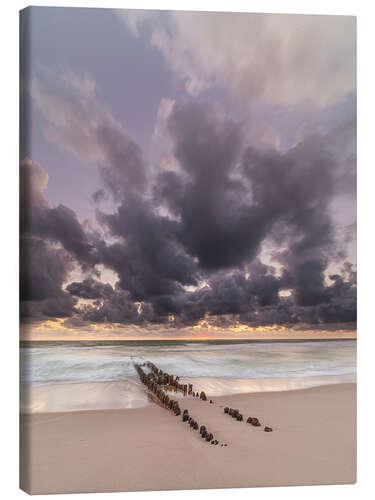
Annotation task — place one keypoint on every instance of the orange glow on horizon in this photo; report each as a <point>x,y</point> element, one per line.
<point>57,330</point>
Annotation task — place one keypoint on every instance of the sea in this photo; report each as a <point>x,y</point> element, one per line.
<point>89,375</point>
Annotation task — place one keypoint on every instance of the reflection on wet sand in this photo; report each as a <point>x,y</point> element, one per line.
<point>224,386</point>
<point>131,394</point>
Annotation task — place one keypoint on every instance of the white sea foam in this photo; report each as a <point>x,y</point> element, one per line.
<point>67,377</point>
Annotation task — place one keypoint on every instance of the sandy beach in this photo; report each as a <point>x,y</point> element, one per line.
<point>313,442</point>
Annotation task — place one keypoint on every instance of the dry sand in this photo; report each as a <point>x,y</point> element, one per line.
<point>313,442</point>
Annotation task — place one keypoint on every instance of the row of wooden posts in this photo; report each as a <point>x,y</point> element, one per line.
<point>159,383</point>
<point>234,413</point>
<point>170,382</point>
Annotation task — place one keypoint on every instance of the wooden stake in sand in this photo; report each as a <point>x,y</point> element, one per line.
<point>157,382</point>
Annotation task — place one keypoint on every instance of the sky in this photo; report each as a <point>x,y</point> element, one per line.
<point>187,174</point>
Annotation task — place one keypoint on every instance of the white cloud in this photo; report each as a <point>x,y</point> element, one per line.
<point>164,110</point>
<point>73,114</point>
<point>76,121</point>
<point>134,19</point>
<point>280,58</point>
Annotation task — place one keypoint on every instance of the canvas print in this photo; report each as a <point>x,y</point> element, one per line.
<point>187,250</point>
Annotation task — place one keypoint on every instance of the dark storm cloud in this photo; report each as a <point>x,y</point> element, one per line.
<point>188,248</point>
<point>216,228</point>
<point>43,270</point>
<point>52,239</point>
<point>225,200</point>
<point>217,225</point>
<point>58,224</point>
<point>232,200</point>
<point>341,305</point>
<point>116,308</point>
<point>293,191</point>
<point>89,289</point>
<point>149,261</point>
<point>226,294</point>
<point>223,227</point>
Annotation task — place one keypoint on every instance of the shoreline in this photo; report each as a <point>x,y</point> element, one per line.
<point>138,449</point>
<point>129,393</point>
<point>213,341</point>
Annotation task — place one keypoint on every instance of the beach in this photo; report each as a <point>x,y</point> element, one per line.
<point>148,448</point>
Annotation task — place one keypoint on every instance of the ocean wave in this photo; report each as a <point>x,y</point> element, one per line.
<point>58,364</point>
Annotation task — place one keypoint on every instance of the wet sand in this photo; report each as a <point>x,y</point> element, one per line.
<point>313,442</point>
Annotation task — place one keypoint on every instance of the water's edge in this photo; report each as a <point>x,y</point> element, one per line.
<point>129,394</point>
<point>66,376</point>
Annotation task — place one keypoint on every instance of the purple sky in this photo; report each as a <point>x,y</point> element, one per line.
<point>187,174</point>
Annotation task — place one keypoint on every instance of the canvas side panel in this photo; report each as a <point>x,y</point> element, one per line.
<point>25,28</point>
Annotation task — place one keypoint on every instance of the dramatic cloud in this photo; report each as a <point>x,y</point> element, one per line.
<point>230,199</point>
<point>148,260</point>
<point>90,289</point>
<point>232,215</point>
<point>52,239</point>
<point>212,203</point>
<point>189,252</point>
<point>43,270</point>
<point>58,224</point>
